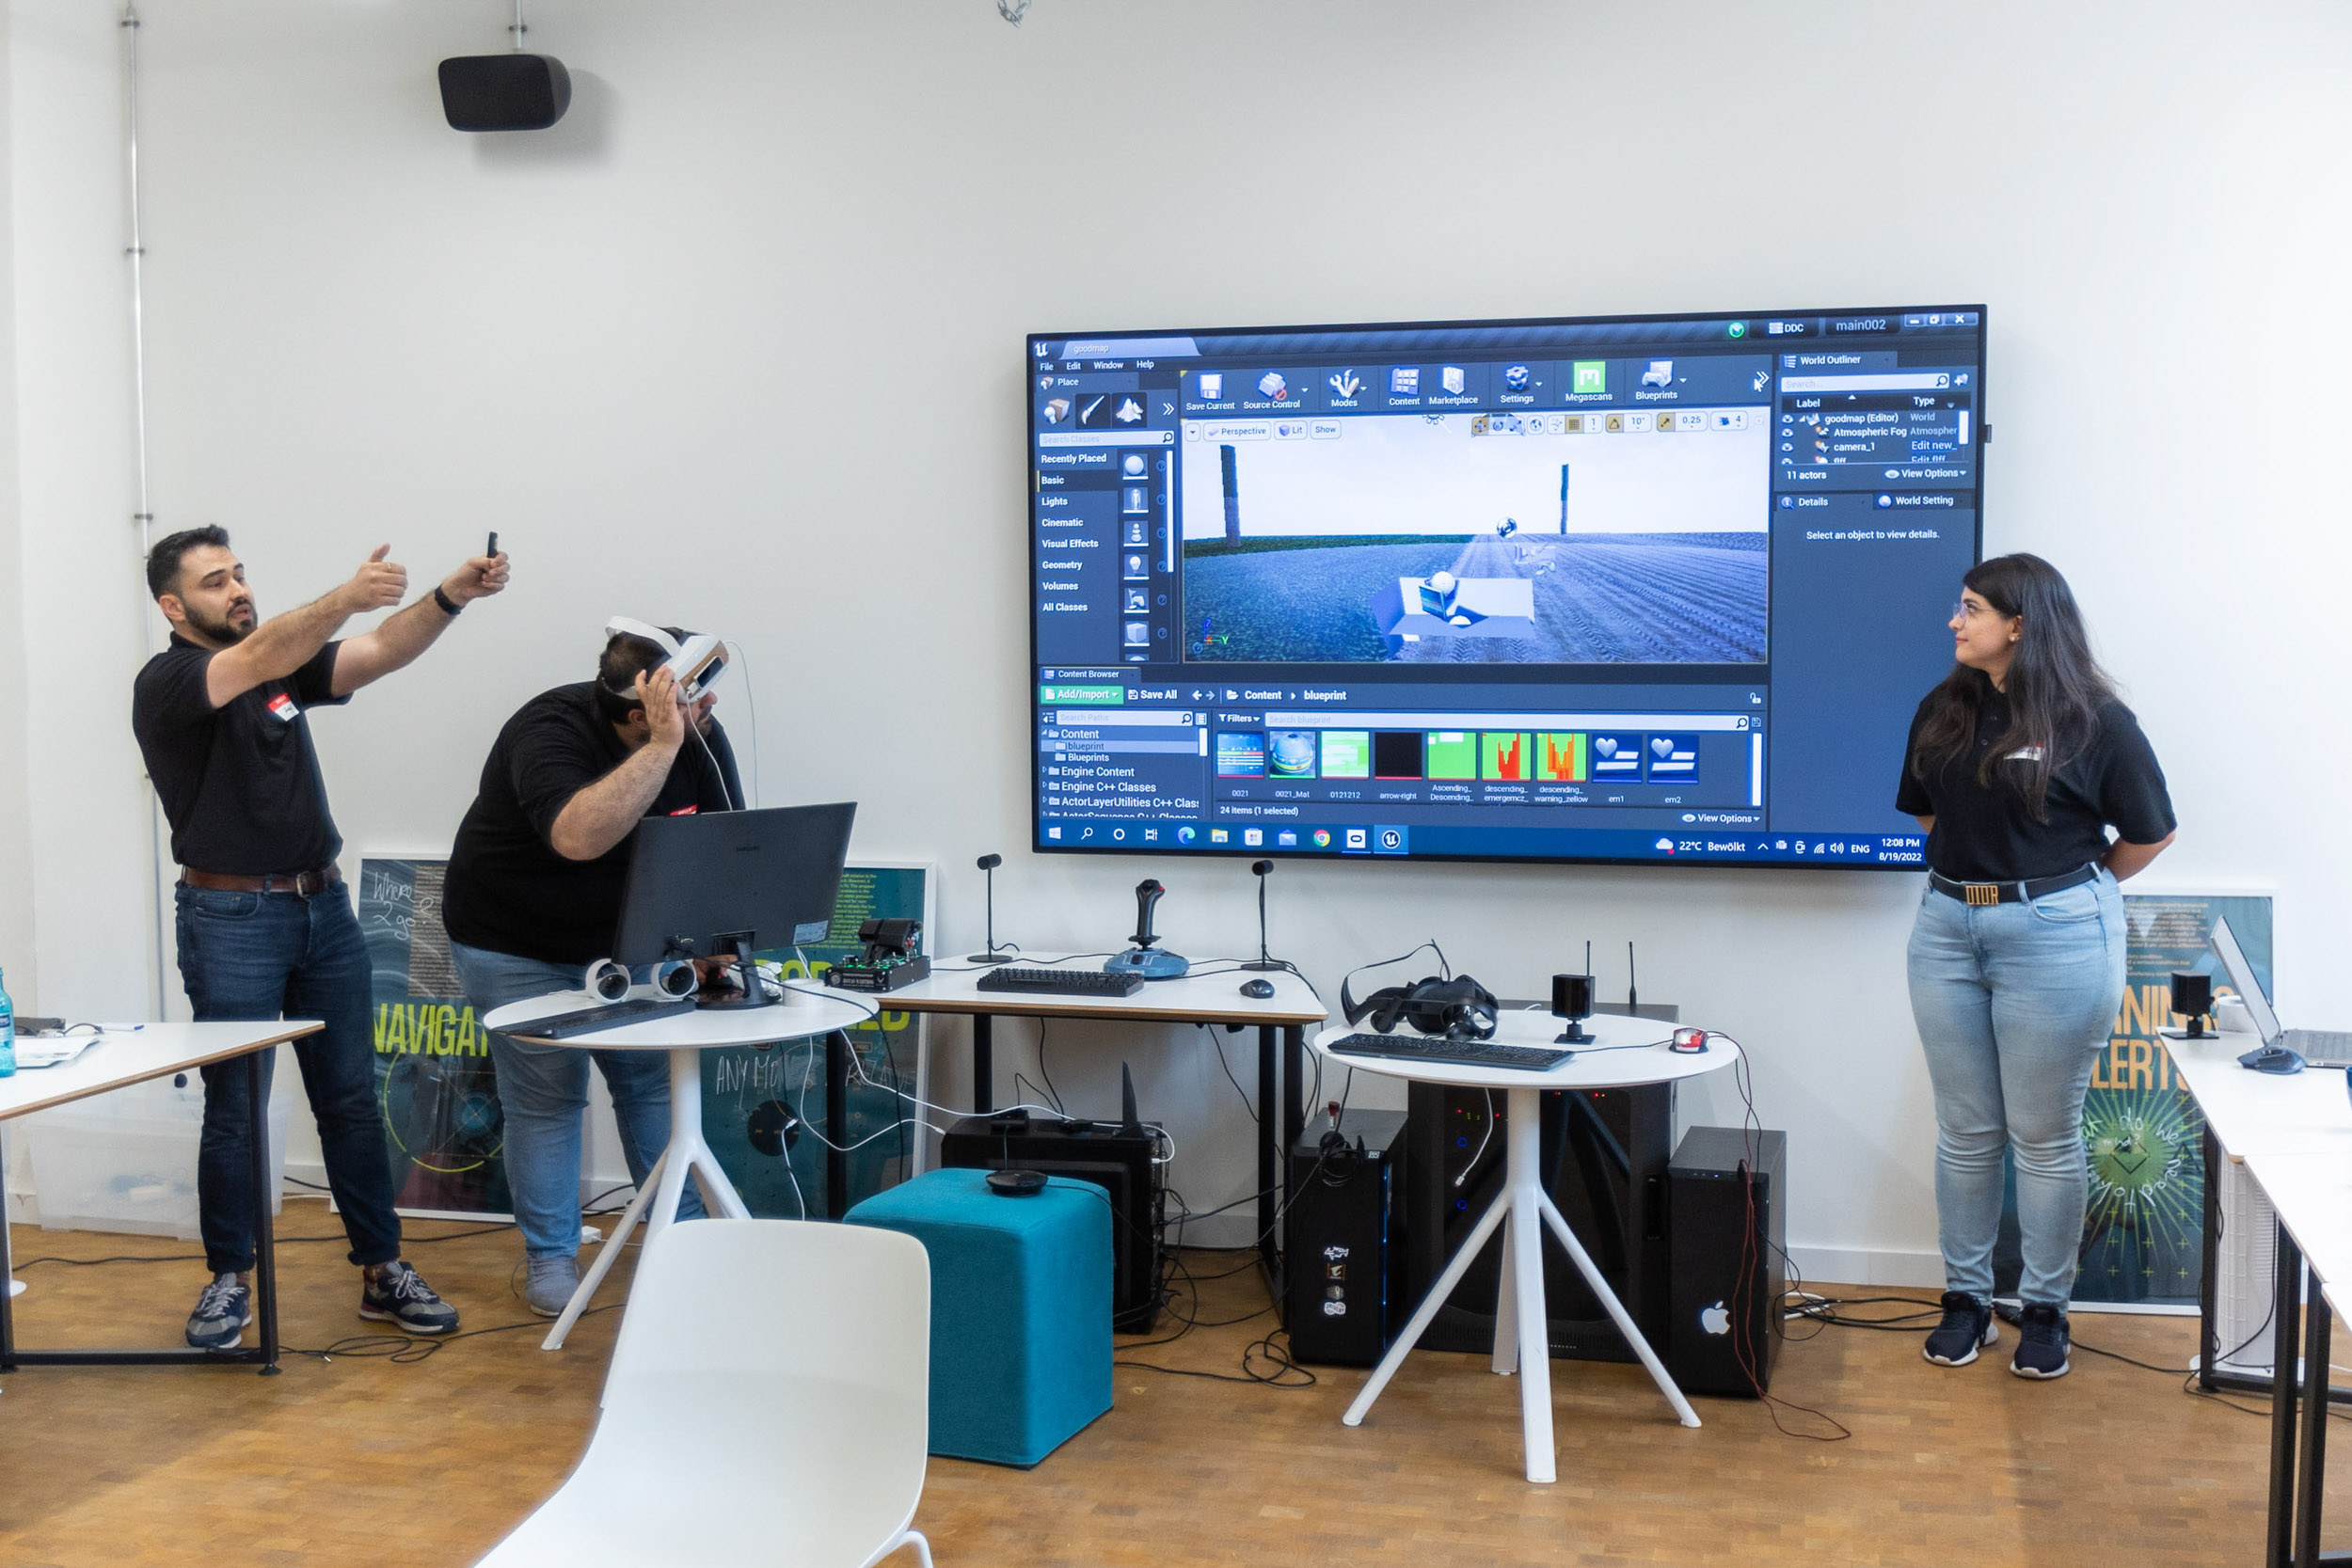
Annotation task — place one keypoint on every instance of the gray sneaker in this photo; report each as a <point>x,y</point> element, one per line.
<point>549,1287</point>
<point>224,1308</point>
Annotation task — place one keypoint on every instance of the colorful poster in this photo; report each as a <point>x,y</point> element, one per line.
<point>764,1106</point>
<point>434,1086</point>
<point>2143,1231</point>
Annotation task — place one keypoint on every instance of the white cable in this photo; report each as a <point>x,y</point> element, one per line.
<point>751,709</point>
<point>1482,1142</point>
<point>795,1178</point>
<point>136,250</point>
<point>733,802</point>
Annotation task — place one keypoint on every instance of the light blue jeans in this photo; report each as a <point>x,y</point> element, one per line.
<point>544,1088</point>
<point>2014,1003</point>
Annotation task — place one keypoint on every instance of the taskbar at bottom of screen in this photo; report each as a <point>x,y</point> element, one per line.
<point>1402,841</point>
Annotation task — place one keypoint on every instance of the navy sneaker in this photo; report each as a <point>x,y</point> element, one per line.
<point>224,1308</point>
<point>2041,1342</point>
<point>1967,1324</point>
<point>399,1294</point>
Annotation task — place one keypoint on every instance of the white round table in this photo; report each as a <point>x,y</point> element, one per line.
<point>801,1014</point>
<point>1523,1208</point>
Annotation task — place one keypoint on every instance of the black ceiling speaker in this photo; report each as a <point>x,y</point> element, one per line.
<point>504,92</point>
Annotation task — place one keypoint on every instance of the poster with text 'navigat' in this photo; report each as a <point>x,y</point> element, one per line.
<point>434,1088</point>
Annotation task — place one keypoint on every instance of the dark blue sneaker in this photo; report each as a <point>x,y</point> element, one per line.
<point>2041,1342</point>
<point>1967,1324</point>
<point>224,1308</point>
<point>398,1294</point>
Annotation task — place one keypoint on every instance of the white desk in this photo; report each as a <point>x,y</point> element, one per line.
<point>683,1035</point>
<point>1523,1208</point>
<point>1211,995</point>
<point>2261,1112</point>
<point>158,1051</point>
<point>2248,1113</point>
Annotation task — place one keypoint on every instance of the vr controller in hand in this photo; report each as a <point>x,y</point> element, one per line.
<point>696,663</point>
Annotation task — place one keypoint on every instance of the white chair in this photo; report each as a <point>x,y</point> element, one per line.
<point>768,1404</point>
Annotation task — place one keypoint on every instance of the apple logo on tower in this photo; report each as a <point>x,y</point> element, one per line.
<point>1715,1320</point>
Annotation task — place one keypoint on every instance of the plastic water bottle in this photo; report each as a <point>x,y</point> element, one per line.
<point>8,1033</point>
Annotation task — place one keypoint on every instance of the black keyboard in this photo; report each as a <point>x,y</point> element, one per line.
<point>612,1015</point>
<point>1433,1048</point>
<point>1062,982</point>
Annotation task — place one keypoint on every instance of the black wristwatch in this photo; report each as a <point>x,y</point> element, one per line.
<point>449,606</point>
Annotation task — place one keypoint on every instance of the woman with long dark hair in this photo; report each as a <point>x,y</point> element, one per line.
<point>2017,765</point>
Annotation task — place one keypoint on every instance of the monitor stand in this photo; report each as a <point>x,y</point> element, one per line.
<point>751,993</point>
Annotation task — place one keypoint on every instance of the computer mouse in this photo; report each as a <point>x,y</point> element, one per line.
<point>2272,1058</point>
<point>1260,989</point>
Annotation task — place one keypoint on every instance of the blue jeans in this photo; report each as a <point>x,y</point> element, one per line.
<point>247,956</point>
<point>544,1088</point>
<point>2014,1003</point>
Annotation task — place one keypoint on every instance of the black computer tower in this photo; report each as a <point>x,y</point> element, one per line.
<point>1727,1210</point>
<point>1343,1289</point>
<point>1604,1153</point>
<point>1117,1161</point>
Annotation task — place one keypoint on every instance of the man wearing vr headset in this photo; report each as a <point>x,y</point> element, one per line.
<point>533,895</point>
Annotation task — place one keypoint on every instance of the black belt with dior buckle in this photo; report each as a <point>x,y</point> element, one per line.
<point>1978,895</point>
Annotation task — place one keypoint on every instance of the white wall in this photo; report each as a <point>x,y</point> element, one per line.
<point>737,344</point>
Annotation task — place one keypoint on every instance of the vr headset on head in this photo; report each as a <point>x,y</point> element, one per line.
<point>696,659</point>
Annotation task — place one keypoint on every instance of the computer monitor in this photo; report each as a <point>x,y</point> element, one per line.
<point>2249,990</point>
<point>721,884</point>
<point>1652,589</point>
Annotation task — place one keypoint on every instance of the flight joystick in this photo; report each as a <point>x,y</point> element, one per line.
<point>1143,959</point>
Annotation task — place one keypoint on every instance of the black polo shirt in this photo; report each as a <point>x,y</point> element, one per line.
<point>1984,834</point>
<point>239,783</point>
<point>507,890</point>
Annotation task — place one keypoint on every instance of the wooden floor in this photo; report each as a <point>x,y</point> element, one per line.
<point>359,1461</point>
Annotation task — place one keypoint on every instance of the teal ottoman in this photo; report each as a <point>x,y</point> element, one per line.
<point>1021,1310</point>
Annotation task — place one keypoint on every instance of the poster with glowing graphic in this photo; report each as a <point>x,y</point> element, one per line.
<point>435,1087</point>
<point>2142,1134</point>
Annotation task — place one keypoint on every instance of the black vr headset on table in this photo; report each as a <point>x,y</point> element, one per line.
<point>1460,1008</point>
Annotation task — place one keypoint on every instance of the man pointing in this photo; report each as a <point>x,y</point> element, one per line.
<point>265,924</point>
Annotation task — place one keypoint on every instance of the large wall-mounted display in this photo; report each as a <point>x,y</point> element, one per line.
<point>1655,588</point>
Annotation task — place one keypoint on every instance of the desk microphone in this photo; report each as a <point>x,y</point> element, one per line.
<point>988,864</point>
<point>1258,869</point>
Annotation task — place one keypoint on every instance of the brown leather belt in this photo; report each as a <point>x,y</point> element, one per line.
<point>304,882</point>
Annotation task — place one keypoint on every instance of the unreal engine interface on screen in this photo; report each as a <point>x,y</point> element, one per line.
<point>1598,589</point>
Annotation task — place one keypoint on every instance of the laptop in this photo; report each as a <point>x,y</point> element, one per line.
<point>2317,1047</point>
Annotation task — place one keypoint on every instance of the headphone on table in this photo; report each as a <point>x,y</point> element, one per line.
<point>1460,1008</point>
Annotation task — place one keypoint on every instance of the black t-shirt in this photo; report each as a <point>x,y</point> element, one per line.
<point>239,783</point>
<point>507,890</point>
<point>1985,833</point>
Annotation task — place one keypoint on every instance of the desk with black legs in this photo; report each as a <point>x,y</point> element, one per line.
<point>1211,996</point>
<point>2294,1136</point>
<point>2311,1194</point>
<point>158,1051</point>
